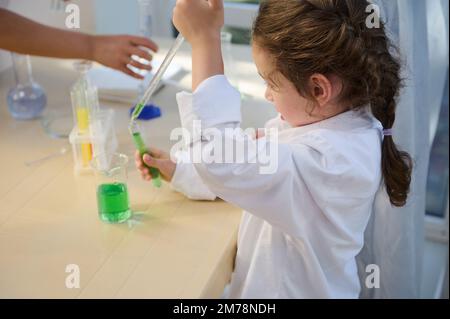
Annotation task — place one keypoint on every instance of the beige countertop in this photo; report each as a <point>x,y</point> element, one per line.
<point>173,247</point>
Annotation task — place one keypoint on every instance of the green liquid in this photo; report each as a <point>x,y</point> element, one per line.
<point>113,203</point>
<point>139,143</point>
<point>137,111</point>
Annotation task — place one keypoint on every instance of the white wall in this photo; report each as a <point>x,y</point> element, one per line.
<point>119,16</point>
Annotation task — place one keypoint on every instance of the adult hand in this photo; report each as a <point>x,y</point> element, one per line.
<point>116,51</point>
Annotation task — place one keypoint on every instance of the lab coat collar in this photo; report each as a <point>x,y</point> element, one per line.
<point>350,120</point>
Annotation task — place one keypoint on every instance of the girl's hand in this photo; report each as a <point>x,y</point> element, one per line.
<point>158,159</point>
<point>115,51</point>
<point>199,20</point>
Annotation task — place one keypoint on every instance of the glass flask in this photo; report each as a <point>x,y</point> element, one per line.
<point>27,100</point>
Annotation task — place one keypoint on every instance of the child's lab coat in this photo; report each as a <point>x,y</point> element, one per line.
<point>302,226</point>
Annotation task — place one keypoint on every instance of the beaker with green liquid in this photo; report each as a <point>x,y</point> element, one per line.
<point>112,193</point>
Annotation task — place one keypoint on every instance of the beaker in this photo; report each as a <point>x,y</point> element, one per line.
<point>112,193</point>
<point>27,99</point>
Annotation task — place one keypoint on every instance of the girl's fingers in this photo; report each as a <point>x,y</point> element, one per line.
<point>145,174</point>
<point>138,163</point>
<point>156,152</point>
<point>154,162</point>
<point>140,166</point>
<point>142,163</point>
<point>148,160</point>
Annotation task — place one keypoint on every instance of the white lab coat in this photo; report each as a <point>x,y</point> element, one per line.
<point>302,226</point>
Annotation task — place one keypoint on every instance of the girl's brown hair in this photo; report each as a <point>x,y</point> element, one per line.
<point>331,37</point>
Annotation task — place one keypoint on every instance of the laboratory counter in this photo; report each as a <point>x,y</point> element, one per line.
<point>50,232</point>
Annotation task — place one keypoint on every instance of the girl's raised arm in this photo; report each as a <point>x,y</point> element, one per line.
<point>200,22</point>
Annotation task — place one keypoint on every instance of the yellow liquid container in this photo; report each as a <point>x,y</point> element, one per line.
<point>100,144</point>
<point>83,118</point>
<point>85,106</point>
<point>83,127</point>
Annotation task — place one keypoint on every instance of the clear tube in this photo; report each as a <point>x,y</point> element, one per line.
<point>140,145</point>
<point>157,78</point>
<point>133,127</point>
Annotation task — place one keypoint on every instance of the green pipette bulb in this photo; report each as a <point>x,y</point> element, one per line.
<point>140,145</point>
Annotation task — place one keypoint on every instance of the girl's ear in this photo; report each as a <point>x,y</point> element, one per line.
<point>321,88</point>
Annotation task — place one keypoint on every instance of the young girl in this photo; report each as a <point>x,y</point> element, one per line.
<point>334,83</point>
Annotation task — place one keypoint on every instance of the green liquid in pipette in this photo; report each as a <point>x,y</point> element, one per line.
<point>139,143</point>
<point>113,202</point>
<point>137,111</point>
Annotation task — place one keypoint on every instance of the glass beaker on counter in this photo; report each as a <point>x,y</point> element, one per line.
<point>112,193</point>
<point>27,99</point>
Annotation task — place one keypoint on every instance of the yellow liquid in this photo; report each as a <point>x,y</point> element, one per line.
<point>83,119</point>
<point>83,126</point>
<point>86,153</point>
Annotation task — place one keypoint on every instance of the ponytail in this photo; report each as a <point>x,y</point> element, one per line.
<point>383,85</point>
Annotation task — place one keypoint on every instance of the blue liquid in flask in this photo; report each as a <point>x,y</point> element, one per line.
<point>27,99</point>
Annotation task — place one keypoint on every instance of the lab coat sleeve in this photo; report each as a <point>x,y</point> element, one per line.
<point>271,193</point>
<point>187,181</point>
